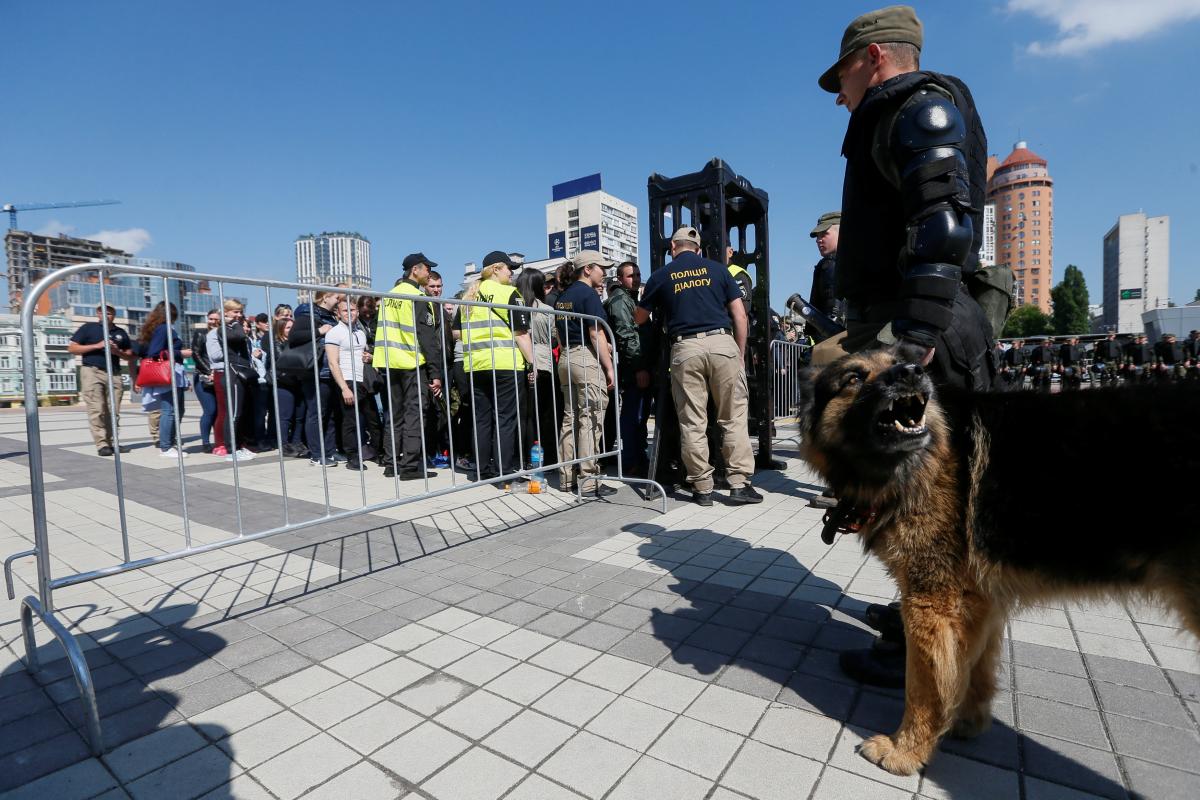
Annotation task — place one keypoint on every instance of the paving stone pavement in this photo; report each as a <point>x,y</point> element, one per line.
<point>484,645</point>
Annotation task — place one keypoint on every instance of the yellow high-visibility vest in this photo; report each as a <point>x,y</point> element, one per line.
<point>487,335</point>
<point>735,270</point>
<point>396,332</point>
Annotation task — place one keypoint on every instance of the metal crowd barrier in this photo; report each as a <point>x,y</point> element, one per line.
<point>787,362</point>
<point>43,605</point>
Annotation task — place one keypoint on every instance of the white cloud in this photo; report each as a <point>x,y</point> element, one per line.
<point>1085,25</point>
<point>54,228</point>
<point>131,240</point>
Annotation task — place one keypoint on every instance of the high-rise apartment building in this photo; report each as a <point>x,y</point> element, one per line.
<point>987,250</point>
<point>1137,260</point>
<point>582,216</point>
<point>1023,192</point>
<point>334,257</point>
<point>32,256</point>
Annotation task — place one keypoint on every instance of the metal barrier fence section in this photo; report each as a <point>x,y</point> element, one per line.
<point>787,361</point>
<point>471,391</point>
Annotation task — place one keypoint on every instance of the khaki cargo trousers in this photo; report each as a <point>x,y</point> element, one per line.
<point>93,388</point>
<point>585,399</point>
<point>700,367</point>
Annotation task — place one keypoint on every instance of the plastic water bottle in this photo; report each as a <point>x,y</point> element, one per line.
<point>536,456</point>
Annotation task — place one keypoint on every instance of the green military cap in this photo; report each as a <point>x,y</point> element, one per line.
<point>891,24</point>
<point>826,222</point>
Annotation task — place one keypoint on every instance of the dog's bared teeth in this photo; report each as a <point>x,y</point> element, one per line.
<point>899,427</point>
<point>921,423</point>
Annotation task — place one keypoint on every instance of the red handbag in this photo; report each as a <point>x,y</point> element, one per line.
<point>154,373</point>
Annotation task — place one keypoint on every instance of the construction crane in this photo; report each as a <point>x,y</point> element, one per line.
<point>13,208</point>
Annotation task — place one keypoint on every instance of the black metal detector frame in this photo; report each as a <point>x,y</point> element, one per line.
<point>727,210</point>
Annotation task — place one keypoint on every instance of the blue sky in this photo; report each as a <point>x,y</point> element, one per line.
<point>227,128</point>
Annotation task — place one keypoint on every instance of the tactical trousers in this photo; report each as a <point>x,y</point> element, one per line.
<point>699,368</point>
<point>585,399</point>
<point>496,403</point>
<point>402,443</point>
<point>94,390</point>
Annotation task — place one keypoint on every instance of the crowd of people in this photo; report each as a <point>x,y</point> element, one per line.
<point>401,382</point>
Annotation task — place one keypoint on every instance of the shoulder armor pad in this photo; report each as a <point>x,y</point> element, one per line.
<point>928,119</point>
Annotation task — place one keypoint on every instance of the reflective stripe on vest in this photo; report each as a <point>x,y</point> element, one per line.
<point>396,332</point>
<point>487,339</point>
<point>736,270</point>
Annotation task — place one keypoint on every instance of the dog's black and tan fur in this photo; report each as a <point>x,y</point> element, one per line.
<point>984,502</point>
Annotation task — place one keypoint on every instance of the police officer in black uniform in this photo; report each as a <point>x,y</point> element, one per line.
<point>1139,359</point>
<point>1070,363</point>
<point>1041,364</point>
<point>1169,359</point>
<point>823,295</point>
<point>1191,349</point>
<point>1012,369</point>
<point>1106,356</point>
<point>911,229</point>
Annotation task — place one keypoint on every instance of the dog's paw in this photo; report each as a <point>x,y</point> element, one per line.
<point>882,752</point>
<point>968,726</point>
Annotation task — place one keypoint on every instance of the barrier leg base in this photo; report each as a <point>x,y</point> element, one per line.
<point>79,665</point>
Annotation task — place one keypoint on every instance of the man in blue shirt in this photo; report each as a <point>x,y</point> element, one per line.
<point>706,325</point>
<point>585,371</point>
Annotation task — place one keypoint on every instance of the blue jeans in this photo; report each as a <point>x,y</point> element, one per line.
<point>208,408</point>
<point>166,423</point>
<point>635,414</point>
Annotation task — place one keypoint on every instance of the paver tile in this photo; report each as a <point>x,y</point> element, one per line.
<point>727,709</point>
<point>442,651</point>
<point>190,776</point>
<point>631,723</point>
<point>358,660</point>
<point>535,787</point>
<point>82,779</point>
<point>524,683</point>
<point>949,776</point>
<point>666,690</point>
<point>478,714</point>
<point>653,778</point>
<point>237,713</point>
<point>363,781</point>
<point>565,658</point>
<point>389,678</point>
<point>476,775</point>
<point>266,739</point>
<point>612,672</point>
<point>521,643</point>
<point>421,751</point>
<point>449,619</point>
<point>837,784</point>
<point>134,759</point>
<point>797,731</point>
<point>696,746</point>
<point>407,638</point>
<point>589,764</point>
<point>480,667</point>
<point>484,630</point>
<point>529,737</point>
<point>574,702</point>
<point>303,685</point>
<point>770,774</point>
<point>294,772</point>
<point>370,729</point>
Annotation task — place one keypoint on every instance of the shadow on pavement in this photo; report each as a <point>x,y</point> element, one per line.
<point>783,645</point>
<point>136,667</point>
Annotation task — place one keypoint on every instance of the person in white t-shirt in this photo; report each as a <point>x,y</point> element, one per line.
<point>349,360</point>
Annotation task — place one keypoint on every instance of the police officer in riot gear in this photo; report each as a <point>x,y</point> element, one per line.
<point>1169,359</point>
<point>1012,369</point>
<point>1106,355</point>
<point>1070,363</point>
<point>823,295</point>
<point>1139,359</point>
<point>911,227</point>
<point>1041,364</point>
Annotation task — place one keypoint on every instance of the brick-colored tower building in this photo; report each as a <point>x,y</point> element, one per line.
<point>1023,192</point>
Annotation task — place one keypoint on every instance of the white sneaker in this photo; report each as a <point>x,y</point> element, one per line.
<point>244,454</point>
<point>170,453</point>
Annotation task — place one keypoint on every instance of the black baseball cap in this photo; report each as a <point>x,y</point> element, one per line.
<point>499,257</point>
<point>413,259</point>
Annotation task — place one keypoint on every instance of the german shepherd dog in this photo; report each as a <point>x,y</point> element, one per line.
<point>980,503</point>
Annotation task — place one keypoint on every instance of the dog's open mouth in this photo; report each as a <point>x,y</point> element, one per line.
<point>904,416</point>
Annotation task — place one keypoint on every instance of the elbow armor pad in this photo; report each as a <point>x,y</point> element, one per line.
<point>927,143</point>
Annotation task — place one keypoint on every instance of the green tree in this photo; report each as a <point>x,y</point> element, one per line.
<point>1071,303</point>
<point>1026,321</point>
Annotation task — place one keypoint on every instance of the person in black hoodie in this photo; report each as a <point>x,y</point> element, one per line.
<point>202,382</point>
<point>311,322</point>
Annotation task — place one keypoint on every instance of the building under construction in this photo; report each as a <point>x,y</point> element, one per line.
<point>32,256</point>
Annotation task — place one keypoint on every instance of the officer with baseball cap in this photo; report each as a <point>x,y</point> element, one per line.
<point>706,324</point>
<point>911,229</point>
<point>823,296</point>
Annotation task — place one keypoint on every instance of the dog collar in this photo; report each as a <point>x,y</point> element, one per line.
<point>845,518</point>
